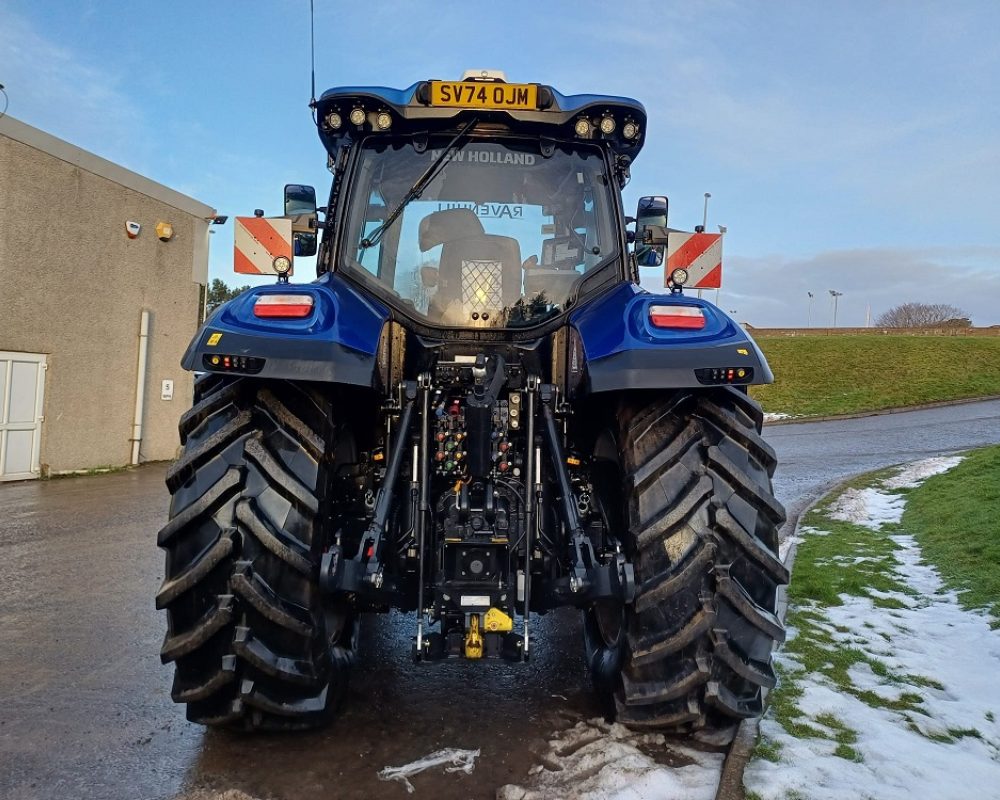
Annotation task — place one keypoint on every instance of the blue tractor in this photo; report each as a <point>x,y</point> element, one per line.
<point>474,415</point>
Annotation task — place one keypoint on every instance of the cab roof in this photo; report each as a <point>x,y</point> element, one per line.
<point>420,108</point>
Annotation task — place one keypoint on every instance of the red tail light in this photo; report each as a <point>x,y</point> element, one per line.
<point>294,306</point>
<point>689,317</point>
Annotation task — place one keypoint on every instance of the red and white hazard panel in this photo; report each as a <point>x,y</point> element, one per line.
<point>258,242</point>
<point>700,254</point>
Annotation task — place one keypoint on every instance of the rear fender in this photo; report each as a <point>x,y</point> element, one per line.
<point>624,350</point>
<point>336,343</point>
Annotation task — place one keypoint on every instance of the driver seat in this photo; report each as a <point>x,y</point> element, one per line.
<point>478,273</point>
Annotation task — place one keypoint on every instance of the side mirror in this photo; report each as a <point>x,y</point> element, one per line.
<point>300,208</point>
<point>299,200</point>
<point>651,231</point>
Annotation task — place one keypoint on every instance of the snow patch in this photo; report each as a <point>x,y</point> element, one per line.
<point>869,508</point>
<point>912,475</point>
<point>451,759</point>
<point>596,760</point>
<point>931,648</point>
<point>872,507</point>
<point>954,648</point>
<point>863,677</point>
<point>774,416</point>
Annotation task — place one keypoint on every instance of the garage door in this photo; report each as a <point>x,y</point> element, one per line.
<point>22,383</point>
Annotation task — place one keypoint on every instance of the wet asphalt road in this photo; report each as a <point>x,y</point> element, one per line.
<point>814,456</point>
<point>84,702</point>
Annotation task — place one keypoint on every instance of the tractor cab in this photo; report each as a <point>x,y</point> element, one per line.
<point>477,203</point>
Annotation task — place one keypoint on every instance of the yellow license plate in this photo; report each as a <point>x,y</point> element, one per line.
<point>462,94</point>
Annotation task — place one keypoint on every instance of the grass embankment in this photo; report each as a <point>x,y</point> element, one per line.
<point>821,375</point>
<point>954,518</point>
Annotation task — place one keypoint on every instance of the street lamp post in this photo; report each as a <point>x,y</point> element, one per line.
<point>809,310</point>
<point>835,294</point>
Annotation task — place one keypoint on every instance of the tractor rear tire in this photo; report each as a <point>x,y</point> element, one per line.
<point>703,534</point>
<point>254,646</point>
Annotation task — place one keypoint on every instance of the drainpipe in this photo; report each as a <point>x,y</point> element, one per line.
<point>140,386</point>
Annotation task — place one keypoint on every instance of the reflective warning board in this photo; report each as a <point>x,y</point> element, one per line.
<point>258,242</point>
<point>700,254</point>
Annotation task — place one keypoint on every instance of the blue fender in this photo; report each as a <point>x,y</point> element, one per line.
<point>336,343</point>
<point>624,350</point>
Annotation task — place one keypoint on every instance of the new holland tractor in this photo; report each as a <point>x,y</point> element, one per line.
<point>474,416</point>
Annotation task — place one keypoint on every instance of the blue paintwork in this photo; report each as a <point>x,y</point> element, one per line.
<point>573,103</point>
<point>625,351</point>
<point>338,341</point>
<point>392,97</point>
<point>342,315</point>
<point>398,98</point>
<point>619,321</point>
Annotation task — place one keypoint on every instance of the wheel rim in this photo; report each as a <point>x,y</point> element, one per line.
<point>610,620</point>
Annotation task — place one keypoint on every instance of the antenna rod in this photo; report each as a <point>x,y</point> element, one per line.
<point>312,53</point>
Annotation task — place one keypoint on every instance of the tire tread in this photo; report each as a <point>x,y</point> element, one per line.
<point>246,629</point>
<point>703,518</point>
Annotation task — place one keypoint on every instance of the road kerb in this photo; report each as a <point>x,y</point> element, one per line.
<point>882,411</point>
